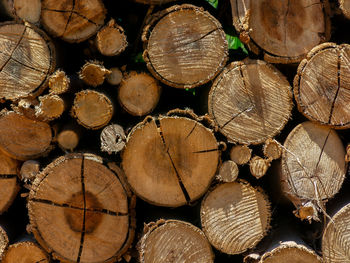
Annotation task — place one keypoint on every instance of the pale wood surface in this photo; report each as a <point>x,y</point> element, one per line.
<point>240,154</point>
<point>93,73</point>
<point>59,82</point>
<point>112,139</point>
<point>50,107</point>
<point>228,172</point>
<point>3,242</point>
<point>258,166</point>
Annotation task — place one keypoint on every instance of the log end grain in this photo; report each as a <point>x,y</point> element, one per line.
<point>112,139</point>
<point>59,82</point>
<point>28,12</point>
<point>93,73</point>
<point>22,252</point>
<point>115,77</point>
<point>272,149</point>
<point>240,154</point>
<point>50,107</point>
<point>68,139</point>
<point>258,166</point>
<point>29,170</point>
<point>4,241</point>
<point>345,7</point>
<point>228,172</point>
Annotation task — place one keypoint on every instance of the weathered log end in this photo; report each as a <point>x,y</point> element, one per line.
<point>26,251</point>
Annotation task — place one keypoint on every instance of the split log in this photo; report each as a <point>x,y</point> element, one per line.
<point>9,186</point>
<point>235,217</point>
<point>59,82</point>
<point>185,46</point>
<point>313,167</point>
<point>23,138</point>
<point>81,211</point>
<point>73,21</point>
<point>240,154</point>
<point>112,139</point>
<point>174,241</point>
<point>27,10</point>
<point>111,40</point>
<point>272,149</point>
<point>321,86</point>
<point>92,109</point>
<point>4,241</point>
<point>228,172</point>
<point>23,252</point>
<point>336,237</point>
<point>170,161</point>
<point>26,62</point>
<point>345,7</point>
<point>68,136</point>
<point>29,170</point>
<point>50,107</point>
<point>138,93</point>
<point>258,166</point>
<point>93,73</point>
<point>115,77</point>
<point>284,31</point>
<point>250,101</point>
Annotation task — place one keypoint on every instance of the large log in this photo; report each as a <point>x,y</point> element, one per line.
<point>24,252</point>
<point>27,10</point>
<point>345,7</point>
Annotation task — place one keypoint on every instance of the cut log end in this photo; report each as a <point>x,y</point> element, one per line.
<point>22,252</point>
<point>93,73</point>
<point>345,7</point>
<point>240,154</point>
<point>29,170</point>
<point>115,77</point>
<point>258,166</point>
<point>272,149</point>
<point>228,172</point>
<point>174,241</point>
<point>4,241</point>
<point>50,107</point>
<point>59,82</point>
<point>231,209</point>
<point>112,139</point>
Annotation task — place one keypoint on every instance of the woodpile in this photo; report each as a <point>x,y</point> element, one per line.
<point>174,131</point>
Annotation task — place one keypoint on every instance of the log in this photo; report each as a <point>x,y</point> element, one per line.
<point>73,21</point>
<point>92,109</point>
<point>138,93</point>
<point>250,101</point>
<point>185,46</point>
<point>4,241</point>
<point>27,10</point>
<point>235,217</point>
<point>240,154</point>
<point>283,31</point>
<point>174,241</point>
<point>115,77</point>
<point>59,82</point>
<point>93,73</point>
<point>111,40</point>
<point>81,210</point>
<point>23,138</point>
<point>313,167</point>
<point>50,107</point>
<point>29,170</point>
<point>154,2</point>
<point>112,139</point>
<point>228,172</point>
<point>335,240</point>
<point>68,136</point>
<point>26,62</point>
<point>23,252</point>
<point>258,166</point>
<point>321,86</point>
<point>170,161</point>
<point>9,186</point>
<point>272,149</point>
<point>345,7</point>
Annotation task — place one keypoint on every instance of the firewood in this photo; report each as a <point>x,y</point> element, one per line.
<point>321,86</point>
<point>92,109</point>
<point>174,241</point>
<point>115,77</point>
<point>138,93</point>
<point>185,46</point>
<point>258,166</point>
<point>81,210</point>
<point>93,73</point>
<point>250,101</point>
<point>112,139</point>
<point>4,241</point>
<point>27,10</point>
<point>73,21</point>
<point>29,170</point>
<point>240,154</point>
<point>335,240</point>
<point>235,217</point>
<point>228,172</point>
<point>313,167</point>
<point>272,149</point>
<point>170,161</point>
<point>111,40</point>
<point>59,82</point>
<point>50,107</point>
<point>68,136</point>
<point>23,138</point>
<point>23,252</point>
<point>284,31</point>
<point>8,183</point>
<point>345,7</point>
<point>26,62</point>
<point>154,2</point>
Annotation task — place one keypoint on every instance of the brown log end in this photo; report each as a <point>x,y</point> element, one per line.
<point>26,62</point>
<point>250,101</point>
<point>4,241</point>
<point>50,107</point>
<point>139,93</point>
<point>174,241</point>
<point>29,170</point>
<point>272,149</point>
<point>345,7</point>
<point>115,77</point>
<point>185,46</point>
<point>59,82</point>
<point>240,154</point>
<point>68,139</point>
<point>80,210</point>
<point>170,161</point>
<point>93,73</point>
<point>231,209</point>
<point>112,139</point>
<point>73,21</point>
<point>258,166</point>
<point>22,252</point>
<point>228,172</point>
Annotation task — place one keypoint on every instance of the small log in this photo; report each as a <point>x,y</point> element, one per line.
<point>115,77</point>
<point>138,93</point>
<point>250,101</point>
<point>73,21</point>
<point>23,138</point>
<point>185,46</point>
<point>29,170</point>
<point>68,136</point>
<point>27,10</point>
<point>228,172</point>
<point>272,149</point>
<point>4,241</point>
<point>235,217</point>
<point>313,167</point>
<point>50,107</point>
<point>345,7</point>
<point>59,82</point>
<point>240,154</point>
<point>111,40</point>
<point>92,109</point>
<point>170,161</point>
<point>284,31</point>
<point>336,237</point>
<point>93,73</point>
<point>174,241</point>
<point>82,211</point>
<point>23,252</point>
<point>258,166</point>
<point>154,2</point>
<point>9,186</point>
<point>112,139</point>
<point>26,62</point>
<point>321,86</point>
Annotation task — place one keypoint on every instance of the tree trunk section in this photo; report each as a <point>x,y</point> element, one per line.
<point>345,7</point>
<point>272,149</point>
<point>59,82</point>
<point>184,46</point>
<point>4,241</point>
<point>235,217</point>
<point>93,73</point>
<point>240,154</point>
<point>26,62</point>
<point>50,107</point>
<point>115,77</point>
<point>29,170</point>
<point>250,101</point>
<point>112,139</point>
<point>81,211</point>
<point>258,166</point>
<point>284,31</point>
<point>228,172</point>
<point>170,161</point>
<point>27,10</point>
<point>174,241</point>
<point>23,252</point>
<point>68,136</point>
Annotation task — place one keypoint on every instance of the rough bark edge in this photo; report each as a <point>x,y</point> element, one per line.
<point>4,235</point>
<point>21,243</point>
<point>296,83</point>
<point>345,12</point>
<point>152,22</point>
<point>240,64</point>
<point>10,200</point>
<point>131,198</point>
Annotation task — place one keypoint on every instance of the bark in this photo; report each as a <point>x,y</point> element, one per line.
<point>240,154</point>
<point>4,241</point>
<point>23,252</point>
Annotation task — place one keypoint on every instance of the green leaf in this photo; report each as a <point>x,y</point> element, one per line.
<point>235,43</point>
<point>214,3</point>
<point>138,58</point>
